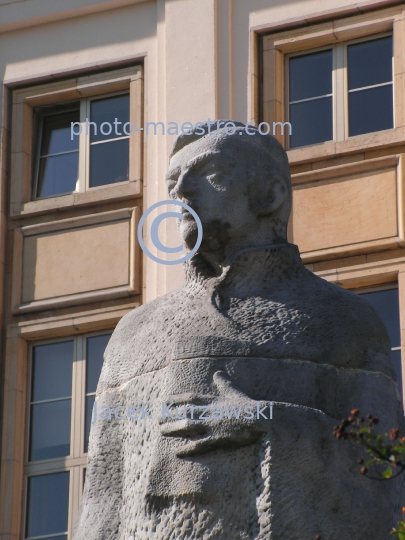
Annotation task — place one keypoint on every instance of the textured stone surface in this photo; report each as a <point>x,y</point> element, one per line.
<point>250,324</point>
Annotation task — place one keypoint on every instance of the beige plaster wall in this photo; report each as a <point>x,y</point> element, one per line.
<point>197,54</point>
<point>73,261</point>
<point>345,211</point>
<point>198,58</point>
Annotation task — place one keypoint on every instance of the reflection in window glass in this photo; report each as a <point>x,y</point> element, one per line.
<point>51,400</point>
<point>95,347</point>
<point>311,122</point>
<point>59,155</point>
<point>50,430</point>
<point>370,86</point>
<point>47,506</point>
<point>109,146</point>
<point>109,162</point>
<point>369,63</point>
<point>386,303</point>
<point>310,98</point>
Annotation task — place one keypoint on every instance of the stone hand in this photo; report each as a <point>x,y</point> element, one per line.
<point>230,419</point>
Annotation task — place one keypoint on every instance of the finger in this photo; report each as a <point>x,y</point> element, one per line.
<point>194,448</point>
<point>183,428</point>
<point>227,388</point>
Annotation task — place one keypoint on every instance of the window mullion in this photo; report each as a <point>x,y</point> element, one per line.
<point>39,135</point>
<point>393,87</point>
<point>74,498</point>
<point>81,184</point>
<point>77,399</point>
<point>339,92</point>
<point>79,367</point>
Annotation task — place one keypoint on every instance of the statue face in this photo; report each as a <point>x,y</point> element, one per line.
<point>211,176</point>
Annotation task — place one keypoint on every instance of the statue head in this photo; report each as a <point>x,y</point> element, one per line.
<point>239,185</point>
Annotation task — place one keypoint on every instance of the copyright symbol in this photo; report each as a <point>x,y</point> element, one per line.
<point>154,232</point>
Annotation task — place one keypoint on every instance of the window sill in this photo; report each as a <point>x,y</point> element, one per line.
<point>92,197</point>
<point>367,142</point>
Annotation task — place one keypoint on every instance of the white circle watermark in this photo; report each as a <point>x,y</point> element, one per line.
<point>154,232</point>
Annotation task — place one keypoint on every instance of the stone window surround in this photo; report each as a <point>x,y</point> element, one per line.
<point>340,102</point>
<point>130,216</point>
<point>276,47</point>
<point>76,462</point>
<point>23,102</point>
<point>14,467</point>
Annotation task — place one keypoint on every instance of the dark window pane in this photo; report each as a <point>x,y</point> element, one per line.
<point>50,430</point>
<point>89,412</point>
<point>56,133</point>
<point>52,371</point>
<point>370,110</point>
<point>310,75</point>
<point>311,122</point>
<point>48,500</point>
<point>59,537</point>
<point>109,110</point>
<point>370,62</point>
<point>57,174</point>
<point>386,303</point>
<point>396,362</point>
<point>95,350</point>
<point>109,162</point>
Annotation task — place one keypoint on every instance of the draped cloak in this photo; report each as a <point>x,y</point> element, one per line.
<point>281,334</point>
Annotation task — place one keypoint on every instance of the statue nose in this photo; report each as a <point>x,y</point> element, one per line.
<point>185,186</point>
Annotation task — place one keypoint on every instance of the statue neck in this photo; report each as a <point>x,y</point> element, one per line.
<point>247,270</point>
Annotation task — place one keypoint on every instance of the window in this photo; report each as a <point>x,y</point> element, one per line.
<point>341,91</point>
<point>109,152</point>
<point>386,303</point>
<point>64,376</point>
<point>58,155</point>
<point>77,141</point>
<point>337,83</point>
<point>369,72</point>
<point>51,400</point>
<point>311,98</point>
<point>82,148</point>
<point>47,504</point>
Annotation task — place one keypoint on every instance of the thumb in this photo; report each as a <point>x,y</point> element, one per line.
<point>226,387</point>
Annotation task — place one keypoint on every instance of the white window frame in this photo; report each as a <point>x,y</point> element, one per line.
<point>76,462</point>
<point>83,180</point>
<point>26,130</point>
<point>340,92</point>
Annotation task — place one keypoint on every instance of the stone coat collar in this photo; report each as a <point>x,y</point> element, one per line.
<point>248,272</point>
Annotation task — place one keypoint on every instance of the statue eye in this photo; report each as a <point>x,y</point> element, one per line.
<point>208,170</point>
<point>211,173</point>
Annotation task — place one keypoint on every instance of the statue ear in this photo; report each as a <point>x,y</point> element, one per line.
<point>267,195</point>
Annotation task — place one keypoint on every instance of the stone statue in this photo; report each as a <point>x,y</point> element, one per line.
<point>271,354</point>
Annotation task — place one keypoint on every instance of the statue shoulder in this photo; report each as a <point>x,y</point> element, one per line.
<point>130,351</point>
<point>355,324</point>
<point>351,308</point>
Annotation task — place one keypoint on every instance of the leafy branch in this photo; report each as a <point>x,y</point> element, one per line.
<point>385,451</point>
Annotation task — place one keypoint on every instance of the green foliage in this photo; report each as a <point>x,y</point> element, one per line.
<point>399,532</point>
<point>383,449</point>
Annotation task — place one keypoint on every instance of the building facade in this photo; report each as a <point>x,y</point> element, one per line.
<point>326,77</point>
